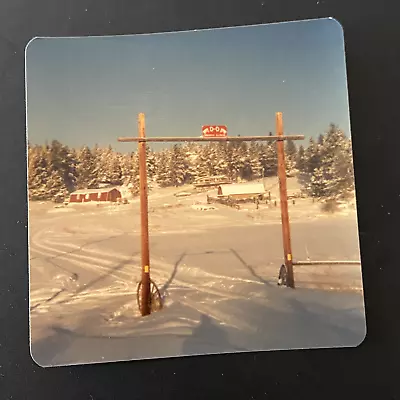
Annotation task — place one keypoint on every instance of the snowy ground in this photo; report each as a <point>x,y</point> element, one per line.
<point>217,269</point>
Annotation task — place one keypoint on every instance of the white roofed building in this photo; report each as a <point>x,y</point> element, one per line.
<point>241,190</point>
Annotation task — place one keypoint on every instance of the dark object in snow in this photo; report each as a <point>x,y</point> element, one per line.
<point>224,200</point>
<point>155,300</point>
<point>122,200</point>
<point>182,194</point>
<point>282,277</point>
<point>330,206</point>
<point>58,199</point>
<point>87,195</point>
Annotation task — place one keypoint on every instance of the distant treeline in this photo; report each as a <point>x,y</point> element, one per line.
<point>324,167</point>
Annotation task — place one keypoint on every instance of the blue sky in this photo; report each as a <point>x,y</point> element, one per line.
<point>83,91</point>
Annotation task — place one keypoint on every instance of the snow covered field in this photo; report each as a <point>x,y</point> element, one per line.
<point>215,266</point>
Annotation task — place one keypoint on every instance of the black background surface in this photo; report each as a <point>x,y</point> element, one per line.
<point>372,35</point>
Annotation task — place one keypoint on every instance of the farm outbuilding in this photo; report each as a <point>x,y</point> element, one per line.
<point>241,190</point>
<point>87,195</point>
<point>211,181</point>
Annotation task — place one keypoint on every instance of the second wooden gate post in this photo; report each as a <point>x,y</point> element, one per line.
<point>287,247</point>
<point>145,295</point>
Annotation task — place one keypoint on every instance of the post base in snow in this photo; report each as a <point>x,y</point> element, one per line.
<point>283,277</point>
<point>155,300</point>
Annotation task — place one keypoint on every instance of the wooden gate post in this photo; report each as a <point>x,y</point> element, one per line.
<point>145,309</point>
<point>287,247</point>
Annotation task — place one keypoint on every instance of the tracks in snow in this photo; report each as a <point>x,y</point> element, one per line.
<point>58,264</point>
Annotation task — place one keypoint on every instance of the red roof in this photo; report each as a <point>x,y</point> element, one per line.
<point>88,191</point>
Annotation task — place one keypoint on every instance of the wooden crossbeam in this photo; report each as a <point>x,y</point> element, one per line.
<point>212,139</point>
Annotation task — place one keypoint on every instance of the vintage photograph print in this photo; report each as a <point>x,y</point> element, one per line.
<point>191,193</point>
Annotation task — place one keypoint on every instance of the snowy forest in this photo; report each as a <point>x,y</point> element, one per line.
<point>324,167</point>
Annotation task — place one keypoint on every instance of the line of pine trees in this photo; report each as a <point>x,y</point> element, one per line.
<point>324,168</point>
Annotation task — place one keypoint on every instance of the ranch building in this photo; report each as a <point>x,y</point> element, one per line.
<point>98,195</point>
<point>241,190</point>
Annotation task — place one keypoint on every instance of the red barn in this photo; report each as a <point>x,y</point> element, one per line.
<point>86,195</point>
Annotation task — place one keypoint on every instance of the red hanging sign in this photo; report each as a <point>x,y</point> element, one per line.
<point>214,131</point>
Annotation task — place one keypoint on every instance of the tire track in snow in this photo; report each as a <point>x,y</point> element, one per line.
<point>91,298</point>
<point>53,246</point>
<point>100,261</point>
<point>194,272</point>
<point>91,259</point>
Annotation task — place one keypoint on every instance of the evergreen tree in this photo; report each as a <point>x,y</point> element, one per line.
<point>61,167</point>
<point>38,172</point>
<point>239,161</point>
<point>312,161</point>
<point>134,178</point>
<point>212,160</point>
<point>151,164</point>
<point>245,168</point>
<point>55,187</point>
<point>290,156</point>
<point>255,161</point>
<point>125,162</point>
<point>97,153</point>
<point>312,156</point>
<point>329,170</point>
<point>72,173</point>
<point>177,166</point>
<point>317,185</point>
<point>163,175</point>
<point>86,169</point>
<point>115,169</point>
<point>108,171</point>
<point>192,156</point>
<point>301,159</point>
<point>269,159</point>
<point>205,166</point>
<point>221,159</point>
<point>290,148</point>
<point>337,164</point>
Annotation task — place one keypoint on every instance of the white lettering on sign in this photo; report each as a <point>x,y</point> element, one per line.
<point>214,131</point>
